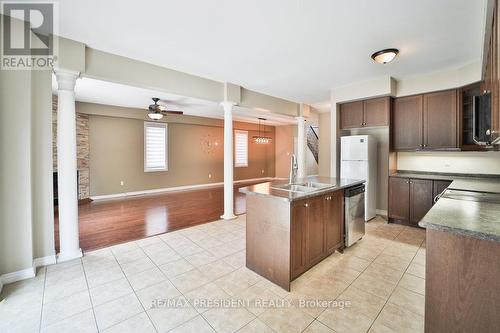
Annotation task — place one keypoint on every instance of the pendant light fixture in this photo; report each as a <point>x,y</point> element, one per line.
<point>261,138</point>
<point>385,56</point>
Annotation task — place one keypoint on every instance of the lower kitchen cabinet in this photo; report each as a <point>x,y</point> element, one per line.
<point>439,187</point>
<point>317,230</point>
<point>410,199</point>
<point>421,199</point>
<point>334,220</point>
<point>399,198</point>
<point>298,237</point>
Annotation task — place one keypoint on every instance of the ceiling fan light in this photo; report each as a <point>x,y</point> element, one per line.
<point>155,115</point>
<point>385,56</point>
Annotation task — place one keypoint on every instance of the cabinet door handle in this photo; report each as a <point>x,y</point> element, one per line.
<point>306,205</point>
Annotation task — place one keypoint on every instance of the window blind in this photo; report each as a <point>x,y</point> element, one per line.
<point>155,147</point>
<point>240,148</point>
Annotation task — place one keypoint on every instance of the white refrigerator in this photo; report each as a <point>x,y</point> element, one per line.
<point>358,160</point>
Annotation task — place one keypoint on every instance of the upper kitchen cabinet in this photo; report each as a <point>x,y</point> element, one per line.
<point>351,115</point>
<point>441,120</point>
<point>426,122</point>
<point>368,113</point>
<point>407,123</point>
<point>376,111</point>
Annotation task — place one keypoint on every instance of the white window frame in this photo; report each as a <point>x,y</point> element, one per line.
<point>161,125</point>
<point>236,164</point>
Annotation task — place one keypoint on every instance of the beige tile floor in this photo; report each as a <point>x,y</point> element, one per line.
<point>379,281</point>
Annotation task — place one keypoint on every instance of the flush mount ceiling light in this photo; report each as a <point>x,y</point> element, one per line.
<point>261,138</point>
<point>385,56</point>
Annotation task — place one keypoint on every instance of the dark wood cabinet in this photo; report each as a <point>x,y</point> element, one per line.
<point>426,122</point>
<point>439,186</point>
<point>376,111</point>
<point>441,120</point>
<point>410,199</point>
<point>315,233</point>
<point>421,199</point>
<point>399,196</point>
<point>367,113</point>
<point>351,115</point>
<point>298,237</point>
<point>407,123</point>
<point>316,230</point>
<point>334,221</point>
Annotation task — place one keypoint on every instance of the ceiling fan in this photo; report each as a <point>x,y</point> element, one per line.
<point>157,111</point>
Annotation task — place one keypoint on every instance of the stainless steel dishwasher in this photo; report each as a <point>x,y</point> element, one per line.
<point>354,204</point>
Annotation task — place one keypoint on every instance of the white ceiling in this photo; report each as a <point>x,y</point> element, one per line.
<point>102,92</point>
<point>294,49</point>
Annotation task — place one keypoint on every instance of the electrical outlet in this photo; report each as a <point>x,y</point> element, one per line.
<point>209,175</point>
<point>122,183</point>
<point>447,165</point>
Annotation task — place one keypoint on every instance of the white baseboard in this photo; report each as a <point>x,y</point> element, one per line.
<point>26,273</point>
<point>62,257</point>
<point>23,274</point>
<point>174,189</point>
<point>381,212</point>
<point>44,261</point>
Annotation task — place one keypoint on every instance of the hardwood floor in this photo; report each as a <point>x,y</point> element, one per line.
<point>104,223</point>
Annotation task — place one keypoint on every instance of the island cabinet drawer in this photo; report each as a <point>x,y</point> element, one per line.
<point>316,230</point>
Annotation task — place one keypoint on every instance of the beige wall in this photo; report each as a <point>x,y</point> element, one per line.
<point>16,245</point>
<point>41,165</point>
<point>26,208</point>
<point>117,154</point>
<point>284,148</point>
<point>324,144</point>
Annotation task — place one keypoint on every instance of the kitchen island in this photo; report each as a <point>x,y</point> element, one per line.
<point>291,228</point>
<point>462,258</point>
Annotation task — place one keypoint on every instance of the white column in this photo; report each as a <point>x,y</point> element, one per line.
<point>301,147</point>
<point>67,167</point>
<point>228,161</point>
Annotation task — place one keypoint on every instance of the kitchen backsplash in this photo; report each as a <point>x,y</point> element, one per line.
<point>453,162</point>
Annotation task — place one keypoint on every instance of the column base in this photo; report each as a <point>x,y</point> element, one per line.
<point>228,217</point>
<point>67,256</point>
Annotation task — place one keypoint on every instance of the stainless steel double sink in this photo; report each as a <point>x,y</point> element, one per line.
<point>305,187</point>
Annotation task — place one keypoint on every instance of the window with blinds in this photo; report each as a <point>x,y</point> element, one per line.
<point>155,147</point>
<point>240,148</point>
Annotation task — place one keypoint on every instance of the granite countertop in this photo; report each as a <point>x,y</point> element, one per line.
<point>267,190</point>
<point>463,217</point>
<point>490,185</point>
<point>468,218</point>
<point>441,175</point>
